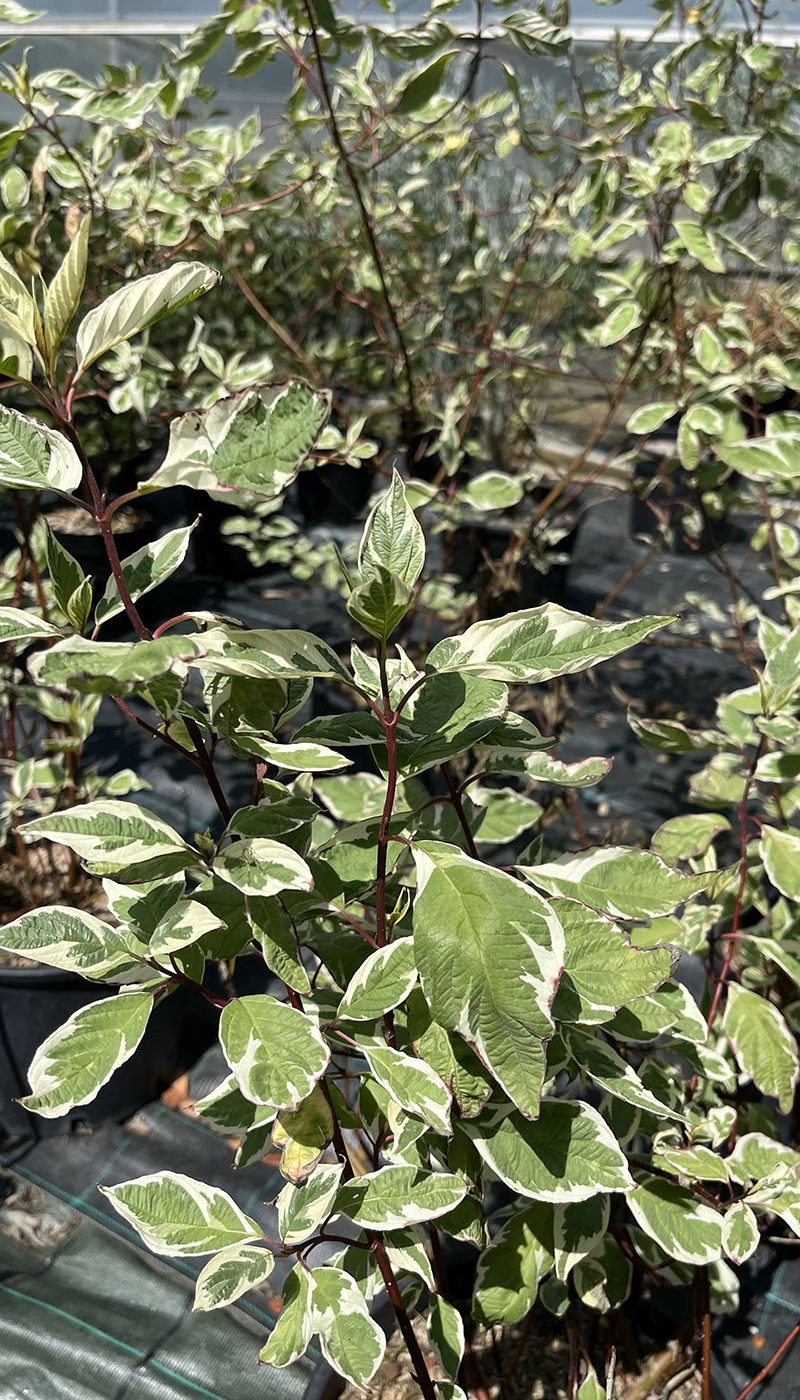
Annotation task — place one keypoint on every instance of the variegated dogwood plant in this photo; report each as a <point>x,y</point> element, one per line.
<point>433,1023</point>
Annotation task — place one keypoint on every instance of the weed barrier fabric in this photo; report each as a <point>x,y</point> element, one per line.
<point>94,1316</point>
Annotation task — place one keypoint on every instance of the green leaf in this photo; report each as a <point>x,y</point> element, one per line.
<point>304,1208</point>
<point>503,814</point>
<point>412,1084</point>
<point>650,417</point>
<point>294,1329</point>
<point>763,1045</point>
<point>145,569</point>
<point>669,736</point>
<point>34,457</point>
<point>350,1340</point>
<point>700,244</point>
<point>63,296</point>
<point>140,304</point>
<point>740,1236</point>
<point>683,1226</point>
<point>447,716</point>
<point>380,603</point>
<point>393,540</point>
<point>567,1155</point>
<point>603,1279</point>
<point>17,625</point>
<point>66,574</point>
<point>72,1065</point>
<point>590,1387</point>
<point>302,1134</point>
<point>446,1333</point>
<point>112,836</point>
<point>272,929</point>
<point>423,87</point>
<point>178,1216</point>
<point>276,1053</point>
<point>255,441</point>
<point>489,958</point>
<point>381,983</point>
<point>262,868</point>
<point>393,1197</point>
<point>780,852</point>
<point>601,970</point>
<point>577,1230</point>
<point>511,1269</point>
<point>538,644</point>
<point>620,881</point>
<point>229,1274</point>
<point>72,939</point>
<point>608,1069</point>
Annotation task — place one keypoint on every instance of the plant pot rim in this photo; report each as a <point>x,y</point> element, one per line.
<point>45,976</point>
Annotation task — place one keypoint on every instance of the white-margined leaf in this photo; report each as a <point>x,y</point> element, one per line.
<point>262,868</point>
<point>112,668</point>
<point>540,767</point>
<point>63,937</point>
<point>512,1268</point>
<point>17,624</point>
<point>232,1272</point>
<point>73,1064</point>
<point>304,1208</point>
<point>601,970</point>
<point>111,837</point>
<point>393,1197</point>
<point>381,983</point>
<point>446,1333</point>
<point>567,1154</point>
<point>63,296</point>
<point>780,852</point>
<point>351,1341</point>
<point>17,307</point>
<point>577,1229</point>
<point>262,654</point>
<point>393,538</point>
<point>137,305</point>
<point>619,881</point>
<point>255,441</point>
<point>763,1044</point>
<point>412,1084</point>
<point>775,457</point>
<point>740,1234</point>
<point>294,1329</point>
<point>145,569</point>
<point>489,957</point>
<point>186,923</point>
<point>272,929</point>
<point>34,457</point>
<point>682,1225</point>
<point>447,716</point>
<point>608,1069</point>
<point>178,1216</point>
<point>303,757</point>
<point>276,1053</point>
<point>379,603</point>
<point>695,1163</point>
<point>538,644</point>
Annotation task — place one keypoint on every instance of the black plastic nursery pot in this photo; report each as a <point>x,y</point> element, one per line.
<point>473,550</point>
<point>334,494</point>
<point>35,1001</point>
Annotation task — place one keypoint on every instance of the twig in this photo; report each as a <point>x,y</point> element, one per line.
<point>777,1356</point>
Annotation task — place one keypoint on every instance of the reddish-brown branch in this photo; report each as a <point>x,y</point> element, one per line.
<point>767,1370</point>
